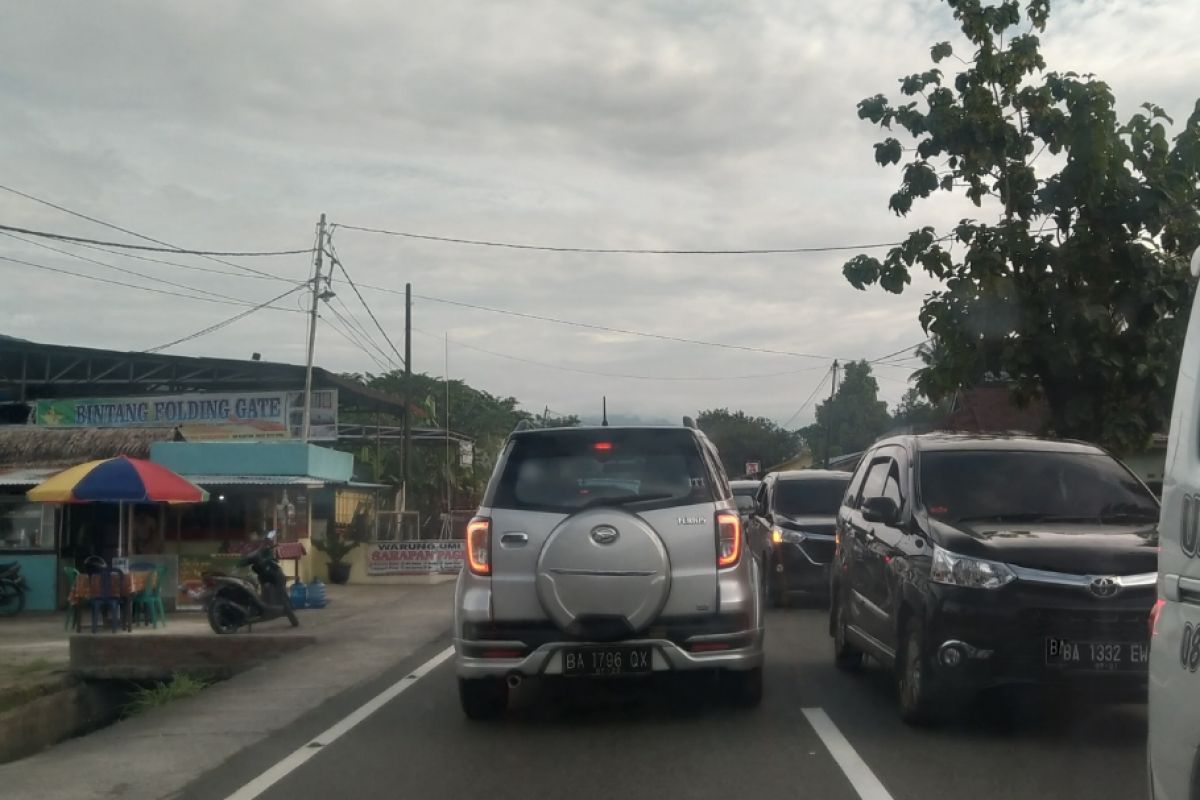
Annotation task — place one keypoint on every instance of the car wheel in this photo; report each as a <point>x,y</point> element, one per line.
<point>745,687</point>
<point>845,655</point>
<point>916,691</point>
<point>483,698</point>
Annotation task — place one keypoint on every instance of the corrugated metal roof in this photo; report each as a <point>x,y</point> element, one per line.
<point>255,480</point>
<point>26,476</point>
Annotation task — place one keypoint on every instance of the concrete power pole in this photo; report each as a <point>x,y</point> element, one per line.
<point>829,421</point>
<point>312,330</point>
<point>406,454</point>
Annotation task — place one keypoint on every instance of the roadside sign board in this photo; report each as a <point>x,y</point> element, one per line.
<point>416,558</point>
<point>753,467</point>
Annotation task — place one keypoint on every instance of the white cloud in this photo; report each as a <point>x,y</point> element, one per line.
<point>659,124</point>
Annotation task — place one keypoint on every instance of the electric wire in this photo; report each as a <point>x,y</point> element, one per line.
<point>224,323</point>
<point>62,237</point>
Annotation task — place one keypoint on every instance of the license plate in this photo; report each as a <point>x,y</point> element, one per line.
<point>1097,656</point>
<point>614,660</point>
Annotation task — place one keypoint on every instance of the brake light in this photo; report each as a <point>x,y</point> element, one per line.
<point>479,546</point>
<point>603,446</point>
<point>1155,613</point>
<point>729,539</point>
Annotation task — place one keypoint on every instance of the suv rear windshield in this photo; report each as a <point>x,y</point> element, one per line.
<point>1032,486</point>
<point>566,471</point>
<point>799,498</point>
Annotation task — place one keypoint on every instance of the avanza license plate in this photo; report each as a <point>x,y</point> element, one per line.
<point>612,660</point>
<point>1097,656</point>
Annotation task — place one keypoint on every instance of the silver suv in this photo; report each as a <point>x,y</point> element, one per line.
<point>606,552</point>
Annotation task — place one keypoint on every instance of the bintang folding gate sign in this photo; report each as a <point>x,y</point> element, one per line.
<point>242,415</point>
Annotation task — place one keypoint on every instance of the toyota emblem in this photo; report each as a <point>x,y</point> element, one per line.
<point>604,534</point>
<point>1104,586</point>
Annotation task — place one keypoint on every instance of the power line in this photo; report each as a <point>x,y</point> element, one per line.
<point>114,227</point>
<point>898,352</point>
<point>135,273</point>
<point>384,367</point>
<point>619,250</point>
<point>354,324</point>
<point>360,338</point>
<point>625,331</point>
<point>64,238</point>
<point>195,268</point>
<point>224,323</point>
<point>333,258</point>
<point>583,371</point>
<point>811,397</point>
<point>112,282</point>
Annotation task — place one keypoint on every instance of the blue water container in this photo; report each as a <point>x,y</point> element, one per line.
<point>300,595</point>
<point>316,594</point>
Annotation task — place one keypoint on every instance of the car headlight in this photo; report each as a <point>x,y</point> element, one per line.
<point>780,535</point>
<point>972,573</point>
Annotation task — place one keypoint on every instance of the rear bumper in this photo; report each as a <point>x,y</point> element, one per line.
<point>745,652</point>
<point>1001,642</point>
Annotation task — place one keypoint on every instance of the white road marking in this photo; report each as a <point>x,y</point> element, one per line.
<point>856,770</point>
<point>322,740</point>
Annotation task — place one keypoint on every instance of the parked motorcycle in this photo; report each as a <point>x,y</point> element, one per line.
<point>233,602</point>
<point>12,589</point>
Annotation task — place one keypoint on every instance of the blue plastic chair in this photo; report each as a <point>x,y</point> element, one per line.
<point>106,593</point>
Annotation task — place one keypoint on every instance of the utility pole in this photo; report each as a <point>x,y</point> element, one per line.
<point>546,417</point>
<point>312,330</point>
<point>406,455</point>
<point>829,419</point>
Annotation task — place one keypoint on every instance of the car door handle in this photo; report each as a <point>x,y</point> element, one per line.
<point>1189,591</point>
<point>514,540</point>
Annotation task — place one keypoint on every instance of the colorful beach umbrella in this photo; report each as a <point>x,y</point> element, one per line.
<point>117,480</point>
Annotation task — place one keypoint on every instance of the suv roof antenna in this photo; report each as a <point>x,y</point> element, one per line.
<point>604,411</point>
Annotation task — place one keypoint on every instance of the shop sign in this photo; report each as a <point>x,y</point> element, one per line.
<point>191,574</point>
<point>201,415</point>
<point>415,558</point>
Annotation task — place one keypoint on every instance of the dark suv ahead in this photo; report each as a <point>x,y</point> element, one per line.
<point>792,530</point>
<point>968,562</point>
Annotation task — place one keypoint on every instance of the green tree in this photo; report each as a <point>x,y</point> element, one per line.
<point>916,410</point>
<point>740,438</point>
<point>484,417</point>
<point>1077,287</point>
<point>850,420</point>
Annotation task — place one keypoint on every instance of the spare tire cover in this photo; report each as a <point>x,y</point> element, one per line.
<point>603,564</point>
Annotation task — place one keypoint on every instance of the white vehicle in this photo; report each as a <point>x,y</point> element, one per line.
<point>1174,749</point>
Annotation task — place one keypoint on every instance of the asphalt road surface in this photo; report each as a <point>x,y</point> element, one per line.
<point>819,734</point>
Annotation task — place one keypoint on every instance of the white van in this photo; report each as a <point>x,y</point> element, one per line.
<point>1174,750</point>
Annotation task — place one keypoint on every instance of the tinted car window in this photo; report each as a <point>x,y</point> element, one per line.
<point>570,470</point>
<point>964,485</point>
<point>876,476</point>
<point>891,487</point>
<point>798,498</point>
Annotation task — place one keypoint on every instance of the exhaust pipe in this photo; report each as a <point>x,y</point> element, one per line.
<point>514,680</point>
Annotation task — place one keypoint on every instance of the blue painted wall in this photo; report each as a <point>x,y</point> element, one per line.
<point>41,573</point>
<point>253,458</point>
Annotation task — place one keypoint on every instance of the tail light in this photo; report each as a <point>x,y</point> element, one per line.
<point>479,546</point>
<point>1155,613</point>
<point>729,539</point>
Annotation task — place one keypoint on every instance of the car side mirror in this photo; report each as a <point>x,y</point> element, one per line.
<point>880,509</point>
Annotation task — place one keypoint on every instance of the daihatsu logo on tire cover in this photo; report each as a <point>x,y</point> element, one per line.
<point>1104,586</point>
<point>604,534</point>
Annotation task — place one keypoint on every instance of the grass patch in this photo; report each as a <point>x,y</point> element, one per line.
<point>32,667</point>
<point>146,698</point>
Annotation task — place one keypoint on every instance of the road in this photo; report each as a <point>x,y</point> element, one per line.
<point>620,743</point>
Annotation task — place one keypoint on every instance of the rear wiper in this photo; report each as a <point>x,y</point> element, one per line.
<point>624,499</point>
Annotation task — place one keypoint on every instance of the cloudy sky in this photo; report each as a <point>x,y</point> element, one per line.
<point>710,124</point>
